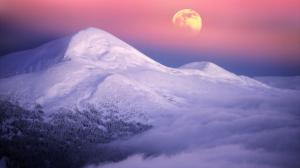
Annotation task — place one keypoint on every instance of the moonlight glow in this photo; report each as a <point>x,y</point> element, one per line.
<point>188,19</point>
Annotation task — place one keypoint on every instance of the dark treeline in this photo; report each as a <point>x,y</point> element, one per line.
<point>67,139</point>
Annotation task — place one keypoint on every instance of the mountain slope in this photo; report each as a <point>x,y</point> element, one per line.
<point>209,68</point>
<point>93,67</point>
<point>90,46</point>
<point>33,60</point>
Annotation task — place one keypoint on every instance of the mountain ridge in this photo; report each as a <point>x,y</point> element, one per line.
<point>88,46</point>
<point>94,67</point>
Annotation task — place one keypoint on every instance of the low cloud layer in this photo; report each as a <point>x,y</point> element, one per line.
<point>233,156</point>
<point>257,131</point>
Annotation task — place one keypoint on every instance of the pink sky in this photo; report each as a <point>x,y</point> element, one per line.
<point>261,27</point>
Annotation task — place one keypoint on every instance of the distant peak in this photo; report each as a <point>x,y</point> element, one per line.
<point>208,67</point>
<point>200,65</point>
<point>91,29</point>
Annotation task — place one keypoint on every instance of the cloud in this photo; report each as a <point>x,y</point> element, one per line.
<point>233,156</point>
<point>259,131</point>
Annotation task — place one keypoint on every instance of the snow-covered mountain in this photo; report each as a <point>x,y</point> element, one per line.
<point>208,68</point>
<point>92,47</point>
<point>93,67</point>
<point>81,99</point>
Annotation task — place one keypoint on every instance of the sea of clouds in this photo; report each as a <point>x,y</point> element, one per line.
<point>253,131</point>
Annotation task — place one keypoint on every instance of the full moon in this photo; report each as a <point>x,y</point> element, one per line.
<point>188,19</point>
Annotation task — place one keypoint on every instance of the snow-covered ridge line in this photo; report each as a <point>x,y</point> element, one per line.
<point>33,60</point>
<point>95,67</point>
<point>89,46</point>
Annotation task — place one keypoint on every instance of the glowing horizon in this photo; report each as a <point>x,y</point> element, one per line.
<point>257,29</point>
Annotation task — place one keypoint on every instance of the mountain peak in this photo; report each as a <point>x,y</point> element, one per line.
<point>208,68</point>
<point>89,46</point>
<point>92,43</point>
<point>203,65</point>
<point>96,46</point>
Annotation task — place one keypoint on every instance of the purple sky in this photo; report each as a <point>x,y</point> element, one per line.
<point>258,37</point>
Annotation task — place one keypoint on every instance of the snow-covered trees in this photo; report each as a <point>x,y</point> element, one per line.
<point>66,138</point>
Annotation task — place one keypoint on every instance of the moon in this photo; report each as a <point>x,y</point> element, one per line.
<point>188,19</point>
